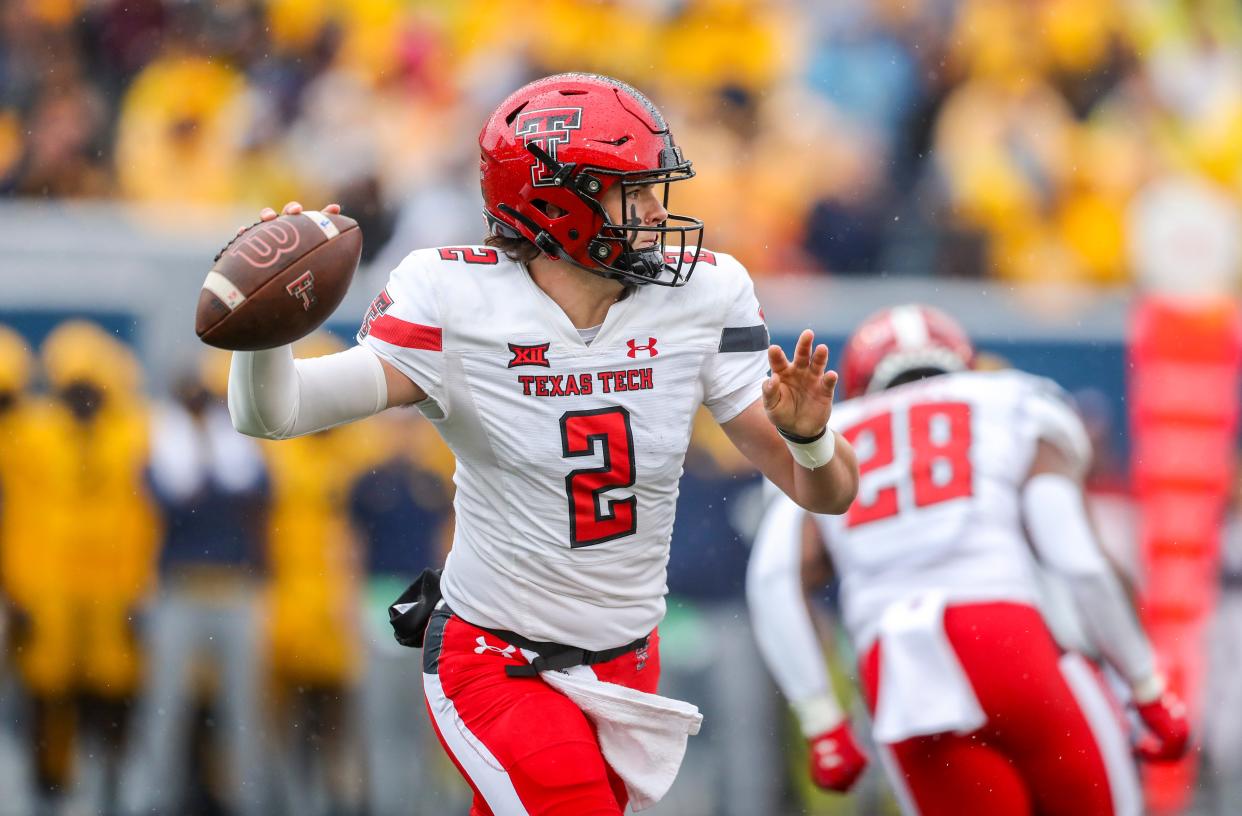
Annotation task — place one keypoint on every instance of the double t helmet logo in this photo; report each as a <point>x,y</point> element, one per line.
<point>547,128</point>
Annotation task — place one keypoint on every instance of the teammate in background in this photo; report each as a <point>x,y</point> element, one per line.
<point>563,363</point>
<point>971,483</point>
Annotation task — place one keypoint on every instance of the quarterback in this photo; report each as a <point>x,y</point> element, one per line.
<point>970,507</point>
<point>563,361</point>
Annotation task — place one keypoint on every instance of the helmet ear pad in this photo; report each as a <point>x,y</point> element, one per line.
<point>571,217</point>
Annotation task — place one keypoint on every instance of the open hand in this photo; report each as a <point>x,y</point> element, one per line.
<point>798,395</point>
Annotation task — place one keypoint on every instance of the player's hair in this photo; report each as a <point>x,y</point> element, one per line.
<point>515,249</point>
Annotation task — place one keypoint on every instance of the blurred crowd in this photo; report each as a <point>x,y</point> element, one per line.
<point>946,137</point>
<point>159,572</point>
<point>194,622</point>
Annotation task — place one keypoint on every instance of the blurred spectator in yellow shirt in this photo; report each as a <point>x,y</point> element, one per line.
<point>21,478</point>
<point>181,130</point>
<point>313,601</point>
<point>79,593</point>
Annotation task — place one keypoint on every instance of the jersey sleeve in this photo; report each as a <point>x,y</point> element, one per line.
<point>1050,416</point>
<point>735,371</point>
<point>403,326</point>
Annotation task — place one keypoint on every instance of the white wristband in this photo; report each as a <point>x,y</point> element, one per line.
<point>816,453</point>
<point>818,715</point>
<point>1145,691</point>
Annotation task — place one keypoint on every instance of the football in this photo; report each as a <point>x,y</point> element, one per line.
<point>278,281</point>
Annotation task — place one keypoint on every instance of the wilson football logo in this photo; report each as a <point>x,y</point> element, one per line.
<point>266,246</point>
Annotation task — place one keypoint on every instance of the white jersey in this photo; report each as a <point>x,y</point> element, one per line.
<point>942,464</point>
<point>568,454</point>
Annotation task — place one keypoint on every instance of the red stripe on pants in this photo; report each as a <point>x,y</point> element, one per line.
<point>539,737</point>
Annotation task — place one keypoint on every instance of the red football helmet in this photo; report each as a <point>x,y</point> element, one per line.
<point>903,340</point>
<point>557,146</point>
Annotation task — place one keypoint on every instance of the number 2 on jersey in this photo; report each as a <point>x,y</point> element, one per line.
<point>940,469</point>
<point>589,522</point>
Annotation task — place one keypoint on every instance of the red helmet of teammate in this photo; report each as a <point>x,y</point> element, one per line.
<point>907,340</point>
<point>550,153</point>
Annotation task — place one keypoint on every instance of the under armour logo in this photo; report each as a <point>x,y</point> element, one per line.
<point>484,646</point>
<point>303,287</point>
<point>650,348</point>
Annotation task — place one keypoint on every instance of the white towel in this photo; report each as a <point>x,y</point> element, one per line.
<point>923,688</point>
<point>642,736</point>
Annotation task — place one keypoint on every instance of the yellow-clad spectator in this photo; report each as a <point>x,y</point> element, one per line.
<point>369,31</point>
<point>78,593</point>
<point>17,522</point>
<point>180,137</point>
<point>1077,34</point>
<point>1005,148</point>
<point>22,480</point>
<point>313,600</point>
<point>1110,165</point>
<point>481,31</point>
<point>786,151</point>
<point>11,141</point>
<point>998,40</point>
<point>715,43</point>
<point>569,40</point>
<point>53,13</point>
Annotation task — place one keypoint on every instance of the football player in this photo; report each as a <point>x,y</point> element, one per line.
<point>563,362</point>
<point>971,484</point>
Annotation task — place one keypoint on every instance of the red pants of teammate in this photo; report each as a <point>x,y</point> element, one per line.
<point>523,746</point>
<point>1053,743</point>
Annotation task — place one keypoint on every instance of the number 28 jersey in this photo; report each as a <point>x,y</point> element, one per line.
<point>942,462</point>
<point>568,453</point>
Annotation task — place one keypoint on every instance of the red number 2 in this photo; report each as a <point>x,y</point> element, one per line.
<point>940,467</point>
<point>471,255</point>
<point>589,522</point>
